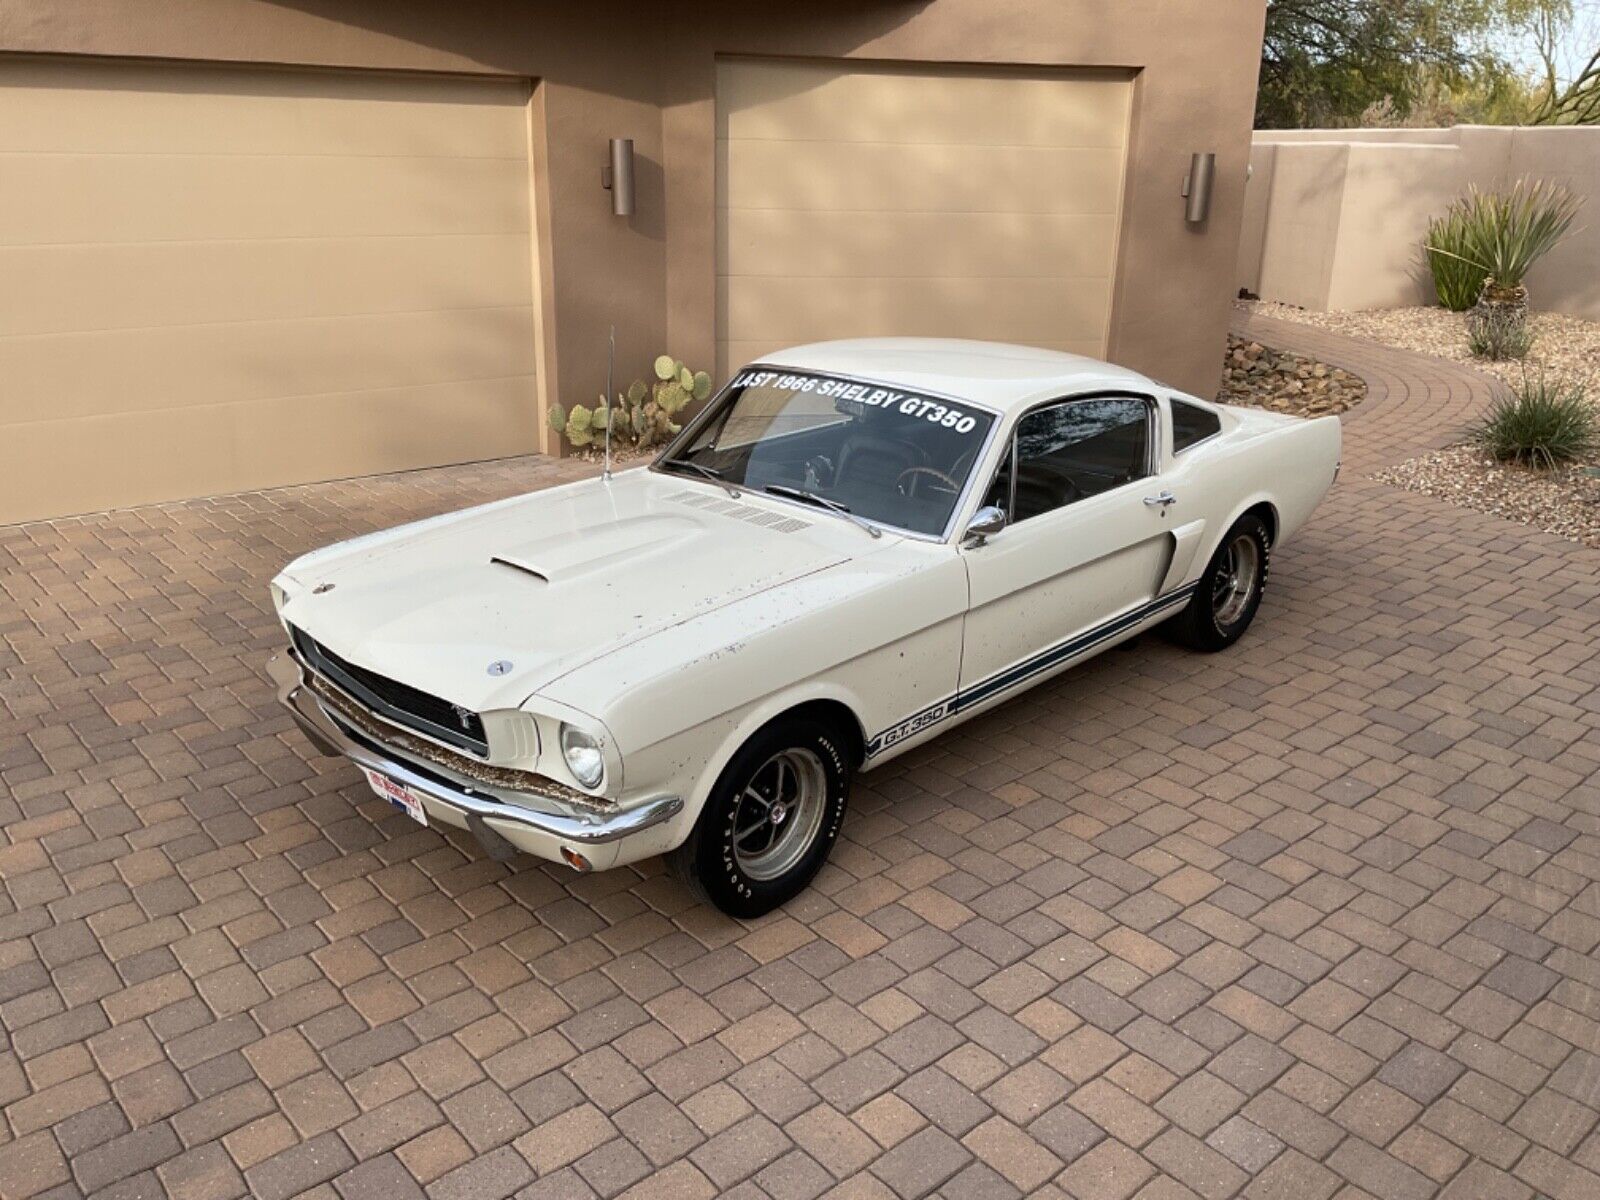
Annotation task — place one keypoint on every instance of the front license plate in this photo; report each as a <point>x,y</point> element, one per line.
<point>398,795</point>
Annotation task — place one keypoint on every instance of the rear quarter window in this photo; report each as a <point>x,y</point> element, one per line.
<point>1191,424</point>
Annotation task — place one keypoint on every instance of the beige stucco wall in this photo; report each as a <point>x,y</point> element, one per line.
<point>647,70</point>
<point>1335,218</point>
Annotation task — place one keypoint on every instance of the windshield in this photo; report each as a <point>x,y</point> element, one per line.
<point>887,455</point>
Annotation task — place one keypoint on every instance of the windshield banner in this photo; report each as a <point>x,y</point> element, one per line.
<point>867,395</point>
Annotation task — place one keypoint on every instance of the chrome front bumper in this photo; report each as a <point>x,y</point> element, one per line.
<point>540,825</point>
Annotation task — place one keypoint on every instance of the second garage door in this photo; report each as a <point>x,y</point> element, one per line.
<point>942,201</point>
<point>219,279</point>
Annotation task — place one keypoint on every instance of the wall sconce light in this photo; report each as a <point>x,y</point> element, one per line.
<point>617,177</point>
<point>1197,187</point>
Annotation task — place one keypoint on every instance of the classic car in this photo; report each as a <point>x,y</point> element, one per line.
<point>855,546</point>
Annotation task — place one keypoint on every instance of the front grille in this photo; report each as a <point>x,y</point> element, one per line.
<point>394,701</point>
<point>420,755</point>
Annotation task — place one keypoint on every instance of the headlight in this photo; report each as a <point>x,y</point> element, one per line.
<point>279,598</point>
<point>582,752</point>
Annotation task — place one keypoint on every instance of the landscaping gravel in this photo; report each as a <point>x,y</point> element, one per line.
<point>1562,344</point>
<point>1565,502</point>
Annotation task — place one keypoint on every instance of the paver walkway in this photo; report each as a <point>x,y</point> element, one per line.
<point>1314,917</point>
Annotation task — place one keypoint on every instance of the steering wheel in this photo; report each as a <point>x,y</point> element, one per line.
<point>913,472</point>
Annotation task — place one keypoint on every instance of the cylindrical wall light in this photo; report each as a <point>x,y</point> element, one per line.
<point>1197,187</point>
<point>617,175</point>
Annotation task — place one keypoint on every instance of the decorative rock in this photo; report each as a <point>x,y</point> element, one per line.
<point>1254,375</point>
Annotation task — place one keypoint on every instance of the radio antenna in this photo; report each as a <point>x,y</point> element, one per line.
<point>611,355</point>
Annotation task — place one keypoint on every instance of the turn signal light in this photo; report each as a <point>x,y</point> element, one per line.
<point>575,860</point>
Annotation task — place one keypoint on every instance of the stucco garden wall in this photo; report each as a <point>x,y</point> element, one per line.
<point>1334,219</point>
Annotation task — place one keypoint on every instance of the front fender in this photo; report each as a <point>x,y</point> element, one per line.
<point>692,761</point>
<point>880,637</point>
<point>759,715</point>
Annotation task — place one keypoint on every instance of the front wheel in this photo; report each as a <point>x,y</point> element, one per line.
<point>770,821</point>
<point>1229,594</point>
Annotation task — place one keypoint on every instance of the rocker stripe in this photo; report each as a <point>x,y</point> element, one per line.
<point>1014,676</point>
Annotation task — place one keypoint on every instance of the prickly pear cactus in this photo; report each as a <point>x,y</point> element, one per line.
<point>670,396</point>
<point>642,415</point>
<point>579,421</point>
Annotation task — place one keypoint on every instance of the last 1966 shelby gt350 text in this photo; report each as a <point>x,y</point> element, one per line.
<point>853,547</point>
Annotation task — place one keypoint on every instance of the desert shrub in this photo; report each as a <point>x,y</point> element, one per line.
<point>1457,279</point>
<point>1543,423</point>
<point>1498,333</point>
<point>1495,238</point>
<point>1507,232</point>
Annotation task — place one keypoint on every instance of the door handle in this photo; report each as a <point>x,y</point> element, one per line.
<point>1163,498</point>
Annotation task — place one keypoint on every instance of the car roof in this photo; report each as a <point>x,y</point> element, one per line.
<point>996,374</point>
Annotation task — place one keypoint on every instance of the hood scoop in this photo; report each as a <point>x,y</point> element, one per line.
<point>565,557</point>
<point>515,565</point>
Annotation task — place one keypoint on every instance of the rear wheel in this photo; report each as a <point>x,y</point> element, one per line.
<point>1229,594</point>
<point>771,819</point>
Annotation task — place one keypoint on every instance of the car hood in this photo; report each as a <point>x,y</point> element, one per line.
<point>551,581</point>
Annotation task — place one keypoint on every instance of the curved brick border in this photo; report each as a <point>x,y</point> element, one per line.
<point>1415,402</point>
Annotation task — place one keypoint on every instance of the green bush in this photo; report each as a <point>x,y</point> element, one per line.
<point>1498,333</point>
<point>1543,423</point>
<point>1457,280</point>
<point>1495,237</point>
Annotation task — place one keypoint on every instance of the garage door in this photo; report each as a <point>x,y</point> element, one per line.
<point>219,279</point>
<point>938,201</point>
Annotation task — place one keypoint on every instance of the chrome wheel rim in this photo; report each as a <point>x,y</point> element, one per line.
<point>779,813</point>
<point>1236,581</point>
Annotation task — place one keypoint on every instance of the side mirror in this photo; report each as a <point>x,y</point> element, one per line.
<point>986,522</point>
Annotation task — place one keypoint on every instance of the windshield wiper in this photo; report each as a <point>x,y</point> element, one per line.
<point>794,493</point>
<point>711,473</point>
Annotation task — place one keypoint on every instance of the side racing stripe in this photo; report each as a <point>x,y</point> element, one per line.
<point>1019,674</point>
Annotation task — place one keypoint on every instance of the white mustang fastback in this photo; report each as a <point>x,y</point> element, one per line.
<point>855,546</point>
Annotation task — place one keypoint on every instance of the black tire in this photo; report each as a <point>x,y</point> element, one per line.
<point>1219,612</point>
<point>723,858</point>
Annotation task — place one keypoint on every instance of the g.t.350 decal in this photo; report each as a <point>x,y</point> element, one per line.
<point>925,718</point>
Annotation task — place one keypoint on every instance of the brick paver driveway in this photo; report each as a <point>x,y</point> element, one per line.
<point>1314,917</point>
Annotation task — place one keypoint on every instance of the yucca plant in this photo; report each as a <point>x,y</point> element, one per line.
<point>1510,231</point>
<point>1493,239</point>
<point>1457,279</point>
<point>1543,423</point>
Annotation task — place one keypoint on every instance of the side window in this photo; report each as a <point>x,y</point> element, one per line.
<point>1191,424</point>
<point>1077,449</point>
